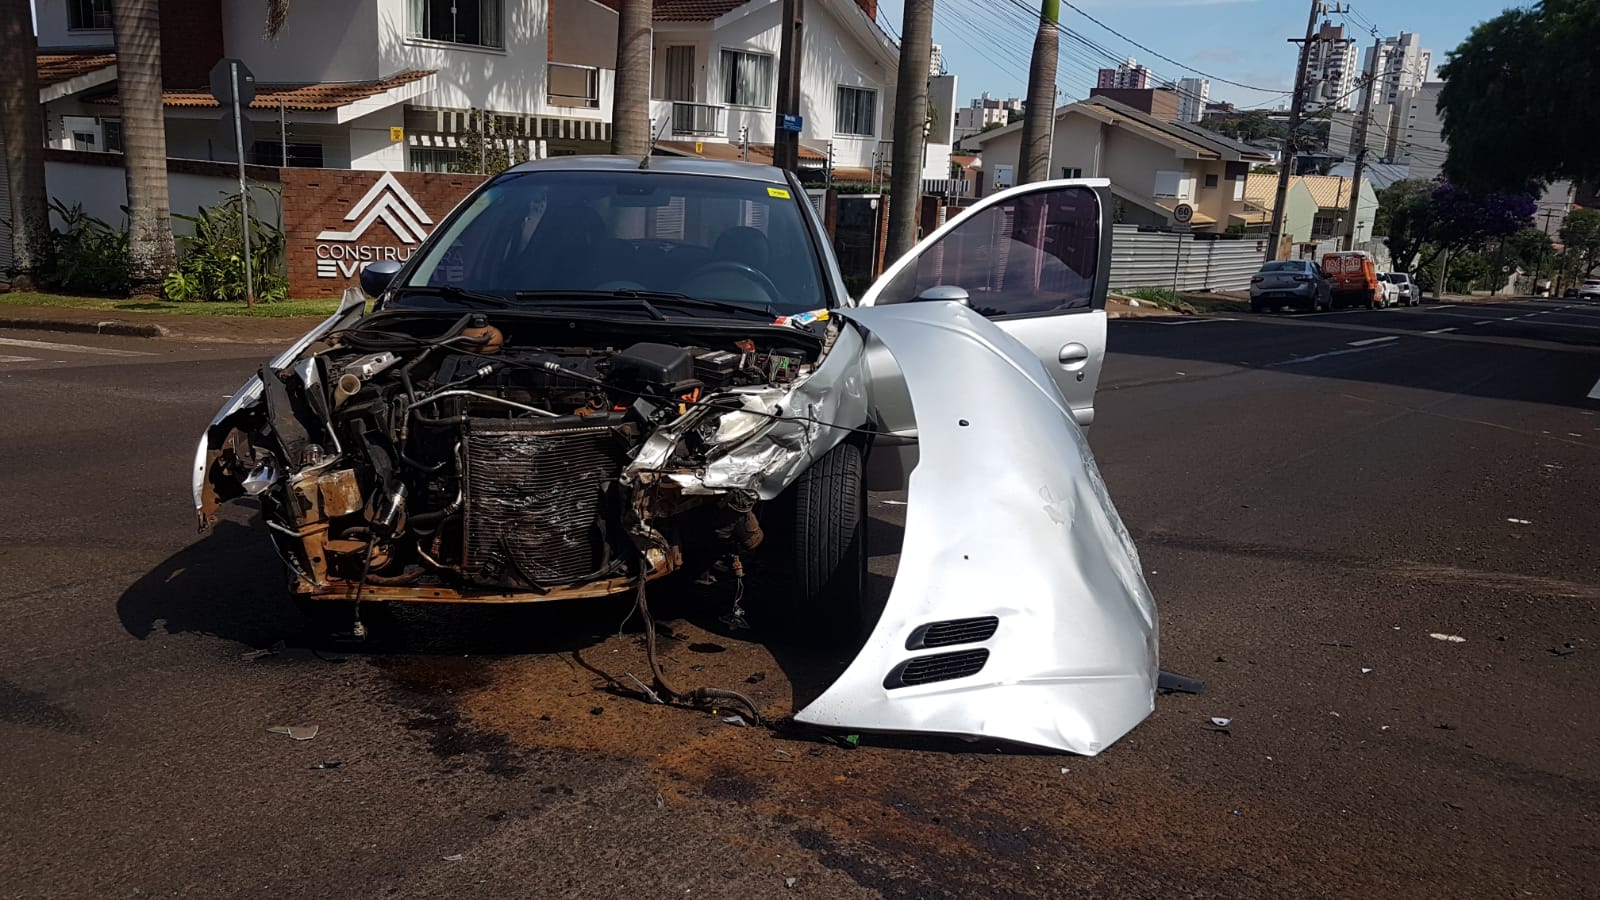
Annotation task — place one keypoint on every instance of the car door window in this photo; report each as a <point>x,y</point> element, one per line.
<point>1034,254</point>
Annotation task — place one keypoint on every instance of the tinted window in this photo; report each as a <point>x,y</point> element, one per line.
<point>1035,253</point>
<point>1285,265</point>
<point>714,238</point>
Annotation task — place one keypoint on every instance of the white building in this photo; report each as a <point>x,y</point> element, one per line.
<point>390,84</point>
<point>1331,75</point>
<point>1419,138</point>
<point>936,62</point>
<point>983,112</point>
<point>1193,95</point>
<point>1402,66</point>
<point>1344,126</point>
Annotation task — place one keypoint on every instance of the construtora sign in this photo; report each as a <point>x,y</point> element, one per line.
<point>336,223</point>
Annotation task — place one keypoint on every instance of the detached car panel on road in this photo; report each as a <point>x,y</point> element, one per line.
<point>596,373</point>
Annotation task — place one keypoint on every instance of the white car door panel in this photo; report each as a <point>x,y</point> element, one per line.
<point>1034,260</point>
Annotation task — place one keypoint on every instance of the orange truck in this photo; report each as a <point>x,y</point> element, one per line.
<point>1354,279</point>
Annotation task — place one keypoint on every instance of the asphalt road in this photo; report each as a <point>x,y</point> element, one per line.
<point>1313,497</point>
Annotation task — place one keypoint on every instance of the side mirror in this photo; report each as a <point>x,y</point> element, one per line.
<point>953,293</point>
<point>375,278</point>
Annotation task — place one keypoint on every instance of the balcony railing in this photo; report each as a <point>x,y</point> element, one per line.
<point>571,86</point>
<point>697,119</point>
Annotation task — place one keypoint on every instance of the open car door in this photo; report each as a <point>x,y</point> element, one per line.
<point>1034,260</point>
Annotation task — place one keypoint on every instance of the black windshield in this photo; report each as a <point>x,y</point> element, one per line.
<point>536,235</point>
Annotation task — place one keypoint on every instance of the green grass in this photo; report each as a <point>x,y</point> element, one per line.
<point>1186,302</point>
<point>281,309</point>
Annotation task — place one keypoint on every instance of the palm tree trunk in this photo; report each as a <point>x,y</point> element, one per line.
<point>1038,120</point>
<point>137,26</point>
<point>910,118</point>
<point>630,106</point>
<point>22,132</point>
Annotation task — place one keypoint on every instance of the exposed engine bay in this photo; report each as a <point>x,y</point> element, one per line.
<point>489,457</point>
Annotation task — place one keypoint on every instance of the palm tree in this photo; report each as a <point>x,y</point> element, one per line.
<point>22,132</point>
<point>1038,122</point>
<point>137,27</point>
<point>630,106</point>
<point>910,122</point>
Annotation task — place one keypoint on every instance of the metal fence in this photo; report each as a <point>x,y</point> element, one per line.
<point>1182,262</point>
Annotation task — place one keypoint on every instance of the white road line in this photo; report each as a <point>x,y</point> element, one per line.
<point>1594,392</point>
<point>6,359</point>
<point>1485,322</point>
<point>1305,359</point>
<point>1373,341</point>
<point>1441,331</point>
<point>70,348</point>
<point>1446,306</point>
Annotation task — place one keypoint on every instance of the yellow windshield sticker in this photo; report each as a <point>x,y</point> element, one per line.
<point>780,193</point>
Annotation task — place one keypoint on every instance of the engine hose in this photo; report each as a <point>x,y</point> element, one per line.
<point>409,576</point>
<point>699,696</point>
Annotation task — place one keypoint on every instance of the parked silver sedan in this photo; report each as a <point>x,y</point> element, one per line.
<point>1296,283</point>
<point>1409,293</point>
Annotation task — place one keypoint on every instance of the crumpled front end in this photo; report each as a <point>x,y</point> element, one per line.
<point>1019,611</point>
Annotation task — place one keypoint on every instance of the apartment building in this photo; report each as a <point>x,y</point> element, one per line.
<point>1401,66</point>
<point>1129,75</point>
<point>1331,75</point>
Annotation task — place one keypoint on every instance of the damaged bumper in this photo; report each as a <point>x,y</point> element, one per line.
<point>1019,611</point>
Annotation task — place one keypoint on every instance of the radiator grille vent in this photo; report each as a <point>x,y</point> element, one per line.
<point>953,631</point>
<point>936,667</point>
<point>536,500</point>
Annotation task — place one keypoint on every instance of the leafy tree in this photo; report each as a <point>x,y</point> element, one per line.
<point>1580,236</point>
<point>1519,103</point>
<point>1527,250</point>
<point>489,146</point>
<point>1422,219</point>
<point>1264,170</point>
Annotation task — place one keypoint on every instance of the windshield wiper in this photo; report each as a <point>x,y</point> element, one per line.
<point>451,292</point>
<point>645,298</point>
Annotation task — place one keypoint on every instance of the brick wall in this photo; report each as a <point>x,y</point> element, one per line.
<point>191,41</point>
<point>318,200</point>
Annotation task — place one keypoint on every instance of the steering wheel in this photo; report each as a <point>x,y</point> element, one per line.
<point>750,273</point>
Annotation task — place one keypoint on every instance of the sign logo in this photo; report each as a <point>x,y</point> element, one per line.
<point>340,254</point>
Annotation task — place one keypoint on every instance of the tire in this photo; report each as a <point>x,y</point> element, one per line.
<point>816,572</point>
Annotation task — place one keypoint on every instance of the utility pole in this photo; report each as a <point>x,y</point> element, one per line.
<point>1275,234</point>
<point>1547,215</point>
<point>1361,146</point>
<point>786,136</point>
<point>910,115</point>
<point>1038,121</point>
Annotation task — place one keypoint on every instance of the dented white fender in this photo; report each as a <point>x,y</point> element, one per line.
<point>1006,517</point>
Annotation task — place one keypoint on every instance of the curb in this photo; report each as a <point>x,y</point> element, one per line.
<point>126,329</point>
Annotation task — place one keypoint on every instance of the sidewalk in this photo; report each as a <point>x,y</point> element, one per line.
<point>224,329</point>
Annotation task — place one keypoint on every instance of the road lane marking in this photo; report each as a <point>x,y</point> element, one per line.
<point>1446,306</point>
<point>1594,392</point>
<point>1485,322</point>
<point>1441,331</point>
<point>1305,359</point>
<point>70,348</point>
<point>6,359</point>
<point>1377,340</point>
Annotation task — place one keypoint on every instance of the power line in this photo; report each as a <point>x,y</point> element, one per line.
<point>1169,59</point>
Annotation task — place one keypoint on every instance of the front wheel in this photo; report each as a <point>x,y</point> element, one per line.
<point>817,570</point>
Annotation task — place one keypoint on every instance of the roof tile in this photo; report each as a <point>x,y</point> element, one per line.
<point>297,97</point>
<point>55,67</point>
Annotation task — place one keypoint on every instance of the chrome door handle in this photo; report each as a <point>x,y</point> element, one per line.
<point>1073,356</point>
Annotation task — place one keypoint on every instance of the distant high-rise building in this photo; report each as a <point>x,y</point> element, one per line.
<point>1402,66</point>
<point>983,112</point>
<point>1193,95</point>
<point>1330,81</point>
<point>936,62</point>
<point>1126,75</point>
<point>1417,138</point>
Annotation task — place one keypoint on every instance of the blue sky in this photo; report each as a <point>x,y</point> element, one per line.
<point>987,43</point>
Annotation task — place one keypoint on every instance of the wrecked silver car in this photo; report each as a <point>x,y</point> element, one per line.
<point>598,372</point>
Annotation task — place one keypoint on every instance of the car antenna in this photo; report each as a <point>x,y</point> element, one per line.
<point>645,163</point>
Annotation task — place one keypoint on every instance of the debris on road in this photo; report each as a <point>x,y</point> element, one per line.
<point>1451,638</point>
<point>1173,683</point>
<point>648,692</point>
<point>1219,725</point>
<point>333,764</point>
<point>734,719</point>
<point>298,732</point>
<point>454,857</point>
<point>790,882</point>
<point>253,655</point>
<point>756,678</point>
<point>1564,650</point>
<point>1365,670</point>
<point>1519,521</point>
